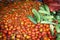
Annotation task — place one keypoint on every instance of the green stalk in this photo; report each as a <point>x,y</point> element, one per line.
<point>52,29</point>
<point>36,14</point>
<point>32,19</point>
<point>46,8</point>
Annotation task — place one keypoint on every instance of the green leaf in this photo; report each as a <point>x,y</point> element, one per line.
<point>58,28</point>
<point>47,22</point>
<point>44,12</point>
<point>58,17</point>
<point>50,20</point>
<point>44,19</point>
<point>32,19</point>
<point>42,8</point>
<point>48,17</point>
<point>41,17</point>
<point>58,36</point>
<point>52,29</point>
<point>58,20</point>
<point>54,12</point>
<point>46,8</point>
<point>36,14</point>
<point>0,7</point>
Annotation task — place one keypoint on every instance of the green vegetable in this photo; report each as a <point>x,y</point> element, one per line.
<point>44,12</point>
<point>58,20</point>
<point>42,8</point>
<point>58,28</point>
<point>58,17</point>
<point>36,14</point>
<point>54,12</point>
<point>32,19</point>
<point>52,29</point>
<point>48,18</point>
<point>47,22</point>
<point>58,36</point>
<point>46,8</point>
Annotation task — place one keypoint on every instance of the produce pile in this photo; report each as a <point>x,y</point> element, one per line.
<point>29,20</point>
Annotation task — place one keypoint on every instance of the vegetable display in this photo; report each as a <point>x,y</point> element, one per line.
<point>29,20</point>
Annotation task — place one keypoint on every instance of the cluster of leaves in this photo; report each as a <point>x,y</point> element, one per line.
<point>57,17</point>
<point>57,26</point>
<point>43,15</point>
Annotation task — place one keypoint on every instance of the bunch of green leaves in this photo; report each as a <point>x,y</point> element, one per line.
<point>58,36</point>
<point>58,31</point>
<point>57,17</point>
<point>43,15</point>
<point>47,17</point>
<point>36,18</point>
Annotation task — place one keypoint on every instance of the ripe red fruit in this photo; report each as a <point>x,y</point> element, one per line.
<point>17,22</point>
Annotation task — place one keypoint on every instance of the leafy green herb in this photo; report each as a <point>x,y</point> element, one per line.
<point>46,8</point>
<point>41,8</point>
<point>32,19</point>
<point>58,17</point>
<point>36,14</point>
<point>58,36</point>
<point>48,18</point>
<point>44,12</point>
<point>59,21</point>
<point>52,29</point>
<point>47,22</point>
<point>58,28</point>
<point>54,12</point>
